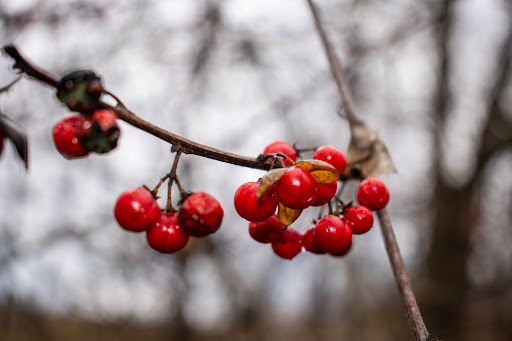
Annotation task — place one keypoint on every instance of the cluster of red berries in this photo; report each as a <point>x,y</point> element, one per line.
<point>137,210</point>
<point>277,199</point>
<point>76,136</point>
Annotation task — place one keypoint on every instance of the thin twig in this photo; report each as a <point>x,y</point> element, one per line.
<point>172,177</point>
<point>401,278</point>
<point>187,146</point>
<point>395,258</point>
<point>336,69</point>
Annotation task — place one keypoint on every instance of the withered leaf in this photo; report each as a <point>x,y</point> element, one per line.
<point>367,152</point>
<point>268,180</point>
<point>322,172</point>
<point>287,215</point>
<point>11,131</point>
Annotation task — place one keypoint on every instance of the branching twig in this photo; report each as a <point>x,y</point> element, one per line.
<point>336,69</point>
<point>187,146</point>
<point>395,258</point>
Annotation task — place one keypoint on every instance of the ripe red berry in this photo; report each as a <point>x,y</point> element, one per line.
<point>267,231</point>
<point>332,234</point>
<point>136,210</point>
<point>65,137</point>
<point>332,156</point>
<point>345,250</point>
<point>289,245</point>
<point>283,148</point>
<point>167,236</point>
<point>100,131</point>
<point>372,193</point>
<point>251,209</point>
<point>325,193</point>
<point>200,214</point>
<point>359,218</point>
<point>296,189</point>
<point>309,243</point>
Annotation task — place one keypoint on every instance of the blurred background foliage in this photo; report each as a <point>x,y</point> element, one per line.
<point>433,75</point>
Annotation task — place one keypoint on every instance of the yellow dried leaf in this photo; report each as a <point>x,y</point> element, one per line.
<point>287,215</point>
<point>322,172</point>
<point>268,180</point>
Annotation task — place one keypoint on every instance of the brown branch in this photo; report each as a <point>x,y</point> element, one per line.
<point>414,317</point>
<point>187,146</point>
<point>336,69</point>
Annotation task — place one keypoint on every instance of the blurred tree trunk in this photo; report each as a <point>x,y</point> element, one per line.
<point>455,209</point>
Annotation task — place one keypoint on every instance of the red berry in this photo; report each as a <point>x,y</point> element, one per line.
<point>167,236</point>
<point>332,234</point>
<point>200,214</point>
<point>267,231</point>
<point>325,193</point>
<point>372,193</point>
<point>283,148</point>
<point>345,250</point>
<point>332,156</point>
<point>296,189</point>
<point>251,209</point>
<point>309,243</point>
<point>289,245</point>
<point>65,137</point>
<point>100,131</point>
<point>359,218</point>
<point>136,210</point>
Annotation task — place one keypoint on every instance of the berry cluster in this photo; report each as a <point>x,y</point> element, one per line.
<point>278,198</point>
<point>76,136</point>
<point>137,210</point>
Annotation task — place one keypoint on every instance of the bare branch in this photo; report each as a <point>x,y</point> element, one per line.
<point>395,258</point>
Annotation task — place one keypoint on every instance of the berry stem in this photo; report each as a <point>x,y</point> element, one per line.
<point>414,317</point>
<point>172,176</point>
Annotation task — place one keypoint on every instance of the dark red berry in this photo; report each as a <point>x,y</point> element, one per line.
<point>296,189</point>
<point>66,139</point>
<point>136,210</point>
<point>325,193</point>
<point>283,148</point>
<point>267,231</point>
<point>100,132</point>
<point>309,243</point>
<point>332,156</point>
<point>167,236</point>
<point>200,214</point>
<point>345,250</point>
<point>359,218</point>
<point>332,234</point>
<point>251,209</point>
<point>289,245</point>
<point>373,193</point>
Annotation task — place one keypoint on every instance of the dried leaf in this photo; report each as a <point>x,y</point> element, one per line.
<point>11,131</point>
<point>322,172</point>
<point>367,153</point>
<point>268,180</point>
<point>287,215</point>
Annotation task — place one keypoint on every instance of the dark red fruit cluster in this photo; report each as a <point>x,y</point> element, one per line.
<point>137,210</point>
<point>76,136</point>
<point>297,188</point>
